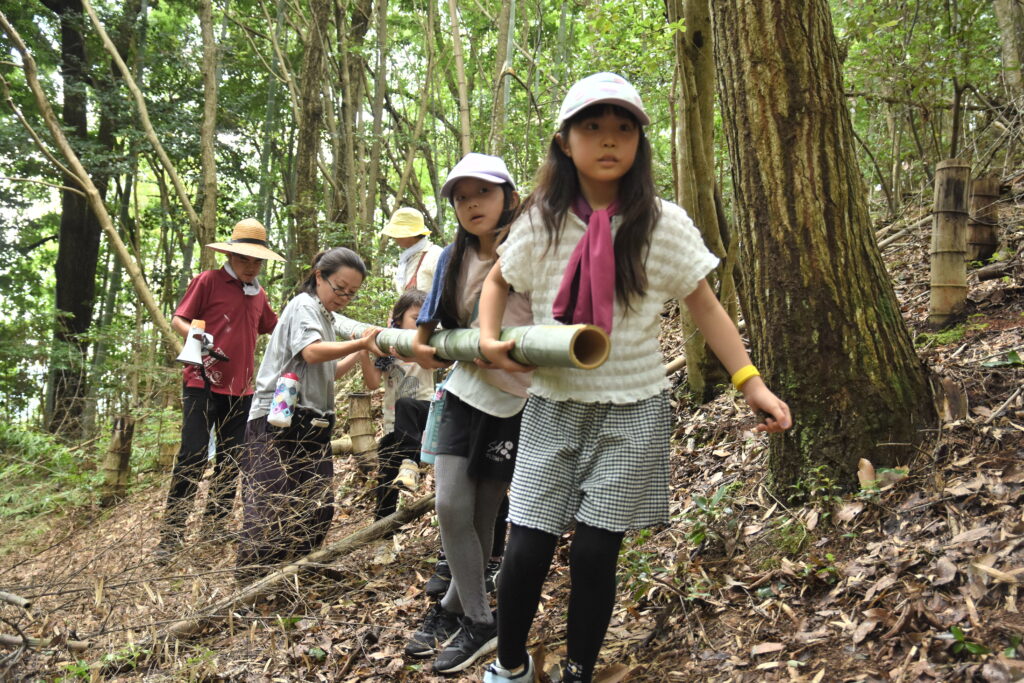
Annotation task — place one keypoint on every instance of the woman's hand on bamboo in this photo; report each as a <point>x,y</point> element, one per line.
<point>369,339</point>
<point>765,404</point>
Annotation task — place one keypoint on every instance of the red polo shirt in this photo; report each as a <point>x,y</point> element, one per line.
<point>234,320</point>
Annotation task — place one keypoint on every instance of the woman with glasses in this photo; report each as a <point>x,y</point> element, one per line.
<point>287,471</point>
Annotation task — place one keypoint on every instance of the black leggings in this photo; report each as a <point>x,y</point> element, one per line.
<point>593,557</point>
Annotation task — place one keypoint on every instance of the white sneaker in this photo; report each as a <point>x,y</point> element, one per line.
<point>408,475</point>
<point>496,673</point>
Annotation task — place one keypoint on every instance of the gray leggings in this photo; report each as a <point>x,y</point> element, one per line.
<point>466,510</point>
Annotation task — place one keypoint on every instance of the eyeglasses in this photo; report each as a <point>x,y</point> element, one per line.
<point>351,294</point>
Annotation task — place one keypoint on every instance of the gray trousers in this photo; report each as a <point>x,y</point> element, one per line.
<point>466,510</point>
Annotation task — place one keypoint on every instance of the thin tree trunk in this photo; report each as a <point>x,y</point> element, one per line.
<point>208,136</point>
<point>82,179</point>
<point>147,126</point>
<point>695,177</point>
<point>465,139</point>
<point>1010,16</point>
<point>421,114</point>
<point>307,233</point>
<point>818,288</point>
<point>501,64</point>
<point>379,86</point>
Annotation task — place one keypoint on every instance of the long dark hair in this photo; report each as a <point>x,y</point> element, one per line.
<point>410,298</point>
<point>330,262</point>
<point>447,307</point>
<point>557,186</point>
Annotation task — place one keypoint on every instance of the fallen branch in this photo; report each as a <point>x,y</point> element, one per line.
<point>7,640</point>
<point>16,600</point>
<point>675,365</point>
<point>913,226</point>
<point>994,270</point>
<point>218,612</point>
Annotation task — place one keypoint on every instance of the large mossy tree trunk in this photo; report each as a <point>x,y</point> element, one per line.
<point>822,316</point>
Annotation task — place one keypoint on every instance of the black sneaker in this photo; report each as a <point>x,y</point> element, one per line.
<point>491,574</point>
<point>436,631</point>
<point>572,673</point>
<point>437,585</point>
<point>473,641</point>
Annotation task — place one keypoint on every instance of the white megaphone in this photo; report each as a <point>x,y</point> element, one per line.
<point>192,352</point>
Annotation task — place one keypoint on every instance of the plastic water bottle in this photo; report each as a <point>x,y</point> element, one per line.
<point>282,406</point>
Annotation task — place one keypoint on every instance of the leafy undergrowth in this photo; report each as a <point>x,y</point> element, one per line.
<point>915,579</point>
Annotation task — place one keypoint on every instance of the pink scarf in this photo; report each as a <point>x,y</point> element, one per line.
<point>587,292</point>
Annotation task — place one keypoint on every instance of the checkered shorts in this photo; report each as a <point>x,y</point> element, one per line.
<point>602,464</point>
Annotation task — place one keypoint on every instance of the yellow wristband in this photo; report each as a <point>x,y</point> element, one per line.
<point>740,377</point>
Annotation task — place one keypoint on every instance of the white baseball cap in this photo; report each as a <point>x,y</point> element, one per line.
<point>602,88</point>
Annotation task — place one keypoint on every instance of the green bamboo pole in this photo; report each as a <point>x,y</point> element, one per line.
<point>562,346</point>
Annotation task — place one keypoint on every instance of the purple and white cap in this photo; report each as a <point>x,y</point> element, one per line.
<point>481,166</point>
<point>602,88</point>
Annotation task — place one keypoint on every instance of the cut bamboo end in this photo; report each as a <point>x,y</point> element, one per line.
<point>589,347</point>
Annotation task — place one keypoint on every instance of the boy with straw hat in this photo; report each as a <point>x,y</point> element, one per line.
<point>234,306</point>
<point>418,260</point>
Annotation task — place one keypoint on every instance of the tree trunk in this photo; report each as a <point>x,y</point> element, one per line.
<point>822,316</point>
<point>311,111</point>
<point>695,175</point>
<point>78,251</point>
<point>1010,16</point>
<point>117,465</point>
<point>465,140</point>
<point>379,86</point>
<point>502,49</point>
<point>208,138</point>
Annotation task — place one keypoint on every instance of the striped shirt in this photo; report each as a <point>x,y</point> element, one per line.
<point>676,263</point>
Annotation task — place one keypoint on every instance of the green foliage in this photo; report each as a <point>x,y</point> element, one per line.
<point>38,474</point>
<point>964,646</point>
<point>941,338</point>
<point>788,536</point>
<point>1011,358</point>
<point>818,489</point>
<point>637,565</point>
<point>711,518</point>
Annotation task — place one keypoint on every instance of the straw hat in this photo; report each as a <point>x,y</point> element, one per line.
<point>406,222</point>
<point>248,238</point>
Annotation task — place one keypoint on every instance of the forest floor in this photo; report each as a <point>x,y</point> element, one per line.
<point>915,581</point>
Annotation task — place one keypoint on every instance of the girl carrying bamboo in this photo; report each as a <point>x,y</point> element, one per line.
<point>596,245</point>
<point>478,431</point>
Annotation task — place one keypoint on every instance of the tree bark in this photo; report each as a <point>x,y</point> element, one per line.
<point>311,110</point>
<point>822,316</point>
<point>1010,16</point>
<point>208,137</point>
<point>695,176</point>
<point>501,64</point>
<point>465,140</point>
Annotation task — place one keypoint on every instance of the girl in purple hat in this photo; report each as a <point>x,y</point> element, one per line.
<point>478,431</point>
<point>596,245</point>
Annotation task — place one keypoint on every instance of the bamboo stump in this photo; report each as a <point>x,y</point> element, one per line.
<point>949,241</point>
<point>117,464</point>
<point>362,432</point>
<point>168,452</point>
<point>982,228</point>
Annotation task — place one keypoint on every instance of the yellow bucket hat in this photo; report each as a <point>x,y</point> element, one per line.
<point>248,238</point>
<point>406,222</point>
